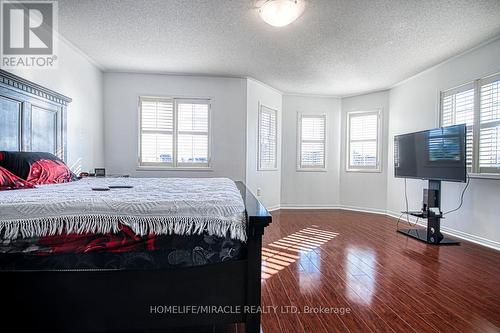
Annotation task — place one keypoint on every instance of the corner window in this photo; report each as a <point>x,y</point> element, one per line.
<point>311,142</point>
<point>174,132</point>
<point>363,141</point>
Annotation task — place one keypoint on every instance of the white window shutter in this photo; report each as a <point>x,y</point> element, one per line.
<point>156,130</point>
<point>363,140</point>
<point>312,141</point>
<point>457,107</point>
<point>489,136</point>
<point>192,133</point>
<point>174,132</point>
<point>267,138</point>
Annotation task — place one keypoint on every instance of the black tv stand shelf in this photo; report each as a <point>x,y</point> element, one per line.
<point>432,234</point>
<point>422,215</point>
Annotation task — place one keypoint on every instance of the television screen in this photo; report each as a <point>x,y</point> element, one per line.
<point>437,154</point>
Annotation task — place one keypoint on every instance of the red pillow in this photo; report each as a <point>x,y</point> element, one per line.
<point>49,172</point>
<point>9,181</point>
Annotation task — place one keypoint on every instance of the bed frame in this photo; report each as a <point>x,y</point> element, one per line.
<point>132,300</point>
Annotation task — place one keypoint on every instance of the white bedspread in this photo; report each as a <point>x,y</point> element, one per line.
<point>182,206</point>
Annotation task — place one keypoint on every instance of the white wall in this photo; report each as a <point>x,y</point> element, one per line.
<point>228,95</point>
<point>364,190</point>
<point>308,188</point>
<point>268,181</point>
<point>80,79</point>
<point>414,106</point>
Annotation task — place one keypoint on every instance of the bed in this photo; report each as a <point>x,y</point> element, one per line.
<point>94,261</point>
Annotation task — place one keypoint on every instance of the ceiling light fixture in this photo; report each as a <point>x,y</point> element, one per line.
<point>279,13</point>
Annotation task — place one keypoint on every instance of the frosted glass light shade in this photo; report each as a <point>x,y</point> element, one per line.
<point>279,13</point>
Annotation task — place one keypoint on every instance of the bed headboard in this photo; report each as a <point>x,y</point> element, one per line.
<point>32,117</point>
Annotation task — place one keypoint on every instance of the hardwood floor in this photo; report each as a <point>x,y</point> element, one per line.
<point>339,260</point>
<point>348,261</point>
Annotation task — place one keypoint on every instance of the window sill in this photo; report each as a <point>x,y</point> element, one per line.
<point>485,176</point>
<point>312,170</point>
<point>159,168</point>
<point>364,170</point>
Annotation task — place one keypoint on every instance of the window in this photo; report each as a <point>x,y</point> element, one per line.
<point>363,141</point>
<point>312,142</point>
<point>174,132</point>
<point>476,104</point>
<point>267,132</point>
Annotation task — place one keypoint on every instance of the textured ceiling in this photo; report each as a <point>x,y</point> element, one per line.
<point>335,48</point>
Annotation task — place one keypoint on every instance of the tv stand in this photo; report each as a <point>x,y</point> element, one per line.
<point>432,234</point>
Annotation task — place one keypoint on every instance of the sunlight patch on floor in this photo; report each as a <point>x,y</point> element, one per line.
<point>285,251</point>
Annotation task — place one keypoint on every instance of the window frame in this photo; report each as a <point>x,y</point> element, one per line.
<point>259,152</point>
<point>378,165</point>
<point>175,165</point>
<point>300,167</point>
<point>475,170</point>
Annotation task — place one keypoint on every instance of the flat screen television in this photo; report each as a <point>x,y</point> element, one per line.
<point>436,154</point>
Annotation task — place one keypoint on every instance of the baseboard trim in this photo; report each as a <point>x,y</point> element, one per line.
<point>293,206</point>
<point>340,207</point>
<point>449,231</point>
<point>471,238</point>
<point>273,208</point>
<point>364,210</point>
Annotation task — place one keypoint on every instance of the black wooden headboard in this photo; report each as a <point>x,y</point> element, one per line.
<point>32,117</point>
